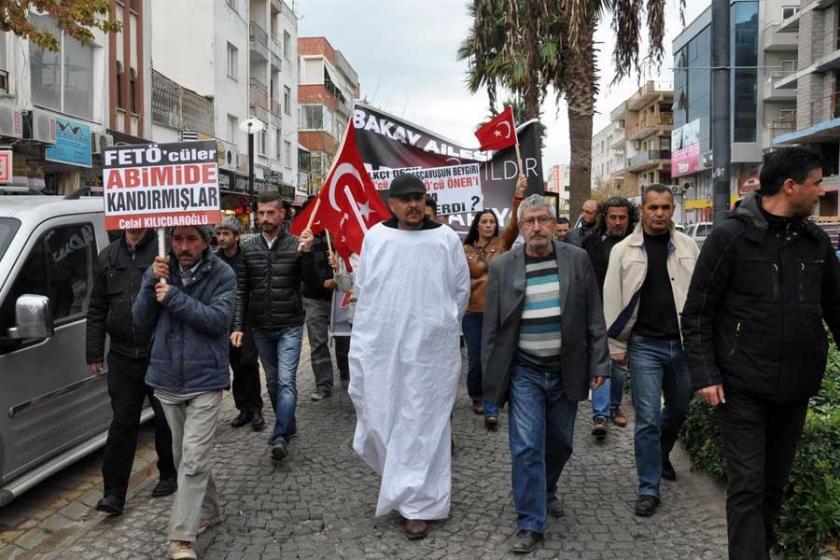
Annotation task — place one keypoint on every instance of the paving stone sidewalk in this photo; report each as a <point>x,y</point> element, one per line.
<point>319,503</point>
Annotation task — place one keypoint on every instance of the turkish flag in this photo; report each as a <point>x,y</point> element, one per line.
<point>350,204</point>
<point>499,133</point>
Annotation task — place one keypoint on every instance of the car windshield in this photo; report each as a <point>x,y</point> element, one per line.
<point>8,227</point>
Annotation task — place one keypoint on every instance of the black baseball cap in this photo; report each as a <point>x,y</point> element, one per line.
<point>406,185</point>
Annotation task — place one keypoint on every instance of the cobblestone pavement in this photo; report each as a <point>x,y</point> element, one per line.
<point>319,502</point>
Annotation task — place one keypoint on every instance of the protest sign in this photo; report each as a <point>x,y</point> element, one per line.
<point>161,185</point>
<point>386,142</point>
<point>339,316</point>
<point>455,188</point>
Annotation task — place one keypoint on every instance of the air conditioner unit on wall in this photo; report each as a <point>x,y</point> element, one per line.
<point>228,155</point>
<point>11,122</point>
<point>42,127</point>
<point>99,142</point>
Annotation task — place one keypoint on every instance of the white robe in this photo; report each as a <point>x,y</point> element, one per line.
<point>412,288</point>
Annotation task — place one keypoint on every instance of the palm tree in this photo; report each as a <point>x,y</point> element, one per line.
<point>528,46</point>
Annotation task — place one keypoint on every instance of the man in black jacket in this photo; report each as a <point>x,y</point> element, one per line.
<point>268,298</point>
<point>617,219</point>
<point>243,359</point>
<point>119,272</point>
<point>753,332</point>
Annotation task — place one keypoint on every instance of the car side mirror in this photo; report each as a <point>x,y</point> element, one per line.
<point>33,318</point>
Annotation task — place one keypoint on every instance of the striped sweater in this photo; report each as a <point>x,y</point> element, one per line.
<point>540,330</point>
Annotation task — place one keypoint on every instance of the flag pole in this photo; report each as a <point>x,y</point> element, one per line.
<point>311,220</point>
<point>329,242</point>
<point>161,239</point>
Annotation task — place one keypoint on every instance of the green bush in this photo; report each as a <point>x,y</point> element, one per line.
<point>810,518</point>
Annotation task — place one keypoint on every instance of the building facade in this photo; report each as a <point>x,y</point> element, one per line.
<point>558,183</point>
<point>762,56</point>
<point>327,89</point>
<point>815,80</point>
<point>608,157</point>
<point>646,120</point>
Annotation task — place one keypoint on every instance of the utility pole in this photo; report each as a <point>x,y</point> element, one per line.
<point>250,127</point>
<point>721,129</point>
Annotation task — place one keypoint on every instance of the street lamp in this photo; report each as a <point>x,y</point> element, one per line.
<point>250,127</point>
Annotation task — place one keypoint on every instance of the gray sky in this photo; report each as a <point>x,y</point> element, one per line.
<point>405,54</point>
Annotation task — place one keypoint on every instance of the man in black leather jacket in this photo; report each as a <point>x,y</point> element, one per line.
<point>269,299</point>
<point>119,271</point>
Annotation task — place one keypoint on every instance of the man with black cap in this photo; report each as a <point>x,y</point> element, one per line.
<point>243,359</point>
<point>404,365</point>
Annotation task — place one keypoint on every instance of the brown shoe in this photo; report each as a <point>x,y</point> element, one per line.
<point>618,417</point>
<point>478,408</point>
<point>415,529</point>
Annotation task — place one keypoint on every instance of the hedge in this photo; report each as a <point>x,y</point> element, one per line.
<point>810,518</point>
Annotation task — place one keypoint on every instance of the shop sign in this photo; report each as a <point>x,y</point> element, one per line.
<point>72,144</point>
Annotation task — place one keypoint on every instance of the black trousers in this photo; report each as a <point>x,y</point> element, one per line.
<point>342,348</point>
<point>244,361</point>
<point>127,388</point>
<point>760,438</point>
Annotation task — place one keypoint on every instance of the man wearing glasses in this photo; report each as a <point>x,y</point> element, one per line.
<point>544,345</point>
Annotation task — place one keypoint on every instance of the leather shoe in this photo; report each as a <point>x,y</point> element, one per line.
<point>241,419</point>
<point>478,408</point>
<point>668,472</point>
<point>618,417</point>
<point>525,542</point>
<point>258,422</point>
<point>165,487</point>
<point>279,451</point>
<point>415,529</point>
<point>111,505</point>
<point>646,505</point>
<point>599,427</point>
<point>491,423</point>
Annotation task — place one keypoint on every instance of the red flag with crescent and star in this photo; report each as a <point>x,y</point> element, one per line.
<point>350,204</point>
<point>498,133</point>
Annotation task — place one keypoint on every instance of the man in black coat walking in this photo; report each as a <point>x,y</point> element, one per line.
<point>753,332</point>
<point>119,272</point>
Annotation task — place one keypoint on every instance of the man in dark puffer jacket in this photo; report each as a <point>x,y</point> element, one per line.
<point>753,332</point>
<point>268,295</point>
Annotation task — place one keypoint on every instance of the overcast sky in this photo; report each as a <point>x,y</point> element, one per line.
<point>405,53</point>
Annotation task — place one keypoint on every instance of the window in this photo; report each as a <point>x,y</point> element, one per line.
<point>120,80</point>
<point>59,266</point>
<point>232,61</point>
<point>132,91</point>
<point>789,11</point>
<point>287,156</point>
<point>261,136</point>
<point>744,38</point>
<point>277,143</point>
<point>287,46</point>
<point>315,117</point>
<point>232,128</point>
<point>61,80</point>
<point>287,100</point>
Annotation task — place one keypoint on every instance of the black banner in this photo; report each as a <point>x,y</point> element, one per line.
<point>388,142</point>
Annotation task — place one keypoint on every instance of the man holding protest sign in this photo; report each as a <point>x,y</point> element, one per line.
<point>402,392</point>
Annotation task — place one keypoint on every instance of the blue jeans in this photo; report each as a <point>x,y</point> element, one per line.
<point>607,397</point>
<point>279,351</point>
<point>659,368</point>
<point>471,325</point>
<point>542,424</point>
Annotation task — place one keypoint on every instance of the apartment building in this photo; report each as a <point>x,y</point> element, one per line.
<point>646,119</point>
<point>608,156</point>
<point>558,183</point>
<point>327,89</point>
<point>815,79</point>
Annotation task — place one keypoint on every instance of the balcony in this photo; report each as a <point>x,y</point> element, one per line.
<point>258,94</point>
<point>619,139</point>
<point>775,40</point>
<point>175,106</point>
<point>650,92</point>
<point>777,88</point>
<point>648,160</point>
<point>824,109</point>
<point>276,62</point>
<point>650,124</point>
<point>258,41</point>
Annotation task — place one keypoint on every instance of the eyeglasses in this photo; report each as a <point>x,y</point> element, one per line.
<point>542,220</point>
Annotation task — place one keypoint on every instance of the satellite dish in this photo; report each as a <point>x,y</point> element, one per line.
<point>251,126</point>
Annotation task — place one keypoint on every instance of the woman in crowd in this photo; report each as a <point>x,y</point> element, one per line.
<point>482,245</point>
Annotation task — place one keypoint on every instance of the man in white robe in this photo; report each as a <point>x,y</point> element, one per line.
<point>412,288</point>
